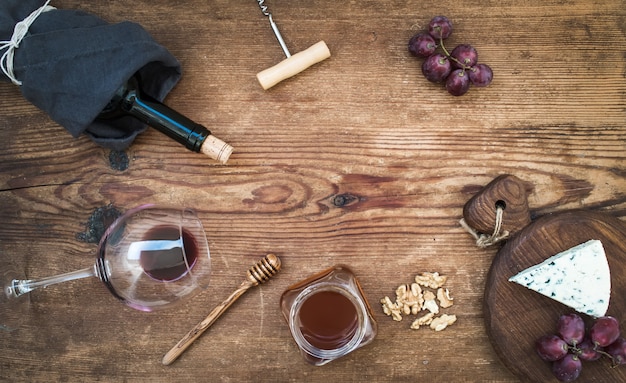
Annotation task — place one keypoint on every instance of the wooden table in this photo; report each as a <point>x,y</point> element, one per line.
<point>363,125</point>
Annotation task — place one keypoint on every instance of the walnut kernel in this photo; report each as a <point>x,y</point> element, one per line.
<point>440,323</point>
<point>432,280</point>
<point>444,298</point>
<point>424,320</point>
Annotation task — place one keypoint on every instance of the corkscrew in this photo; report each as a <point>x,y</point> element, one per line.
<point>292,65</point>
<point>260,273</point>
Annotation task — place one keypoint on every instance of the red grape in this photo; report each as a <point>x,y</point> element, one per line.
<point>422,45</point>
<point>571,345</point>
<point>481,75</point>
<point>551,348</point>
<point>465,55</point>
<point>440,27</point>
<point>617,350</point>
<point>604,331</point>
<point>571,328</point>
<point>567,369</point>
<point>588,351</point>
<point>436,68</point>
<point>458,82</point>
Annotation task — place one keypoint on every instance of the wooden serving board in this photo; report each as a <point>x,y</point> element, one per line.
<point>516,316</point>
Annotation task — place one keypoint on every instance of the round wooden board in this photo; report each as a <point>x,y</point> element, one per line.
<point>516,316</point>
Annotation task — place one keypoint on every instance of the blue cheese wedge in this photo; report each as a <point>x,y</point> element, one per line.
<point>578,277</point>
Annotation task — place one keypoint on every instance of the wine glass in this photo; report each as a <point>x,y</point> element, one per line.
<point>150,258</point>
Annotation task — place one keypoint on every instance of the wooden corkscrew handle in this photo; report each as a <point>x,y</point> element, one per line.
<point>293,65</point>
<point>261,272</point>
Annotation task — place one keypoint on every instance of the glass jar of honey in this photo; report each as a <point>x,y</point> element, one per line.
<point>328,315</point>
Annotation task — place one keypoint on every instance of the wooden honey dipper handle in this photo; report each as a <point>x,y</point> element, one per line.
<point>293,65</point>
<point>262,271</point>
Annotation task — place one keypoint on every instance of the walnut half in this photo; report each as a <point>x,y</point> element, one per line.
<point>444,298</point>
<point>422,321</point>
<point>440,323</point>
<point>432,280</point>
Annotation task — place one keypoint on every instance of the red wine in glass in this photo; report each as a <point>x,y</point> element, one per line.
<point>168,254</point>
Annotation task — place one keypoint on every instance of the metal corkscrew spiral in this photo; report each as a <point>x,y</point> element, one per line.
<point>279,37</point>
<point>263,8</point>
<point>261,272</point>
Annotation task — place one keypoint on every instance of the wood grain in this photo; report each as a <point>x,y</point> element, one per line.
<point>516,316</point>
<point>357,160</point>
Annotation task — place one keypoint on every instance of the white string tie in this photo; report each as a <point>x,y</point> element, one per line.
<point>19,32</point>
<point>484,240</point>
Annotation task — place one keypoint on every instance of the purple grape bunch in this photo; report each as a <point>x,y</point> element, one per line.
<point>457,69</point>
<point>573,343</point>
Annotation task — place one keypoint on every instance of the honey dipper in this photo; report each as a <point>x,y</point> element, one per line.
<point>262,271</point>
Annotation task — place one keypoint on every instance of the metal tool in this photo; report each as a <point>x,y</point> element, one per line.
<point>292,65</point>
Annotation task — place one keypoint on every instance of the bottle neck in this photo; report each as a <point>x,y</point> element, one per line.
<point>128,100</point>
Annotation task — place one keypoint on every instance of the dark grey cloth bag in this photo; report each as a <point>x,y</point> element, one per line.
<point>70,64</point>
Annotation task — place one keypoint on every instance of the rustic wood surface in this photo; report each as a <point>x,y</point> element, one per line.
<point>357,160</point>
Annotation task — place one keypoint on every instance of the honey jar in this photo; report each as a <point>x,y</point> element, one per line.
<point>328,315</point>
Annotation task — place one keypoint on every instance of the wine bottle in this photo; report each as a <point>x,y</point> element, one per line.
<point>130,101</point>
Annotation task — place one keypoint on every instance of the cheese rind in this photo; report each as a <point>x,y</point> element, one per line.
<point>579,278</point>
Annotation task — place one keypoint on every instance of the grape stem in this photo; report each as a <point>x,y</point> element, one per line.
<point>449,56</point>
<point>613,363</point>
<point>577,351</point>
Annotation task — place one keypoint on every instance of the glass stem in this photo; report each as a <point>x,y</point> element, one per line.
<point>19,287</point>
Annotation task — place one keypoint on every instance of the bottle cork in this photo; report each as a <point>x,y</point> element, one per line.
<point>216,149</point>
